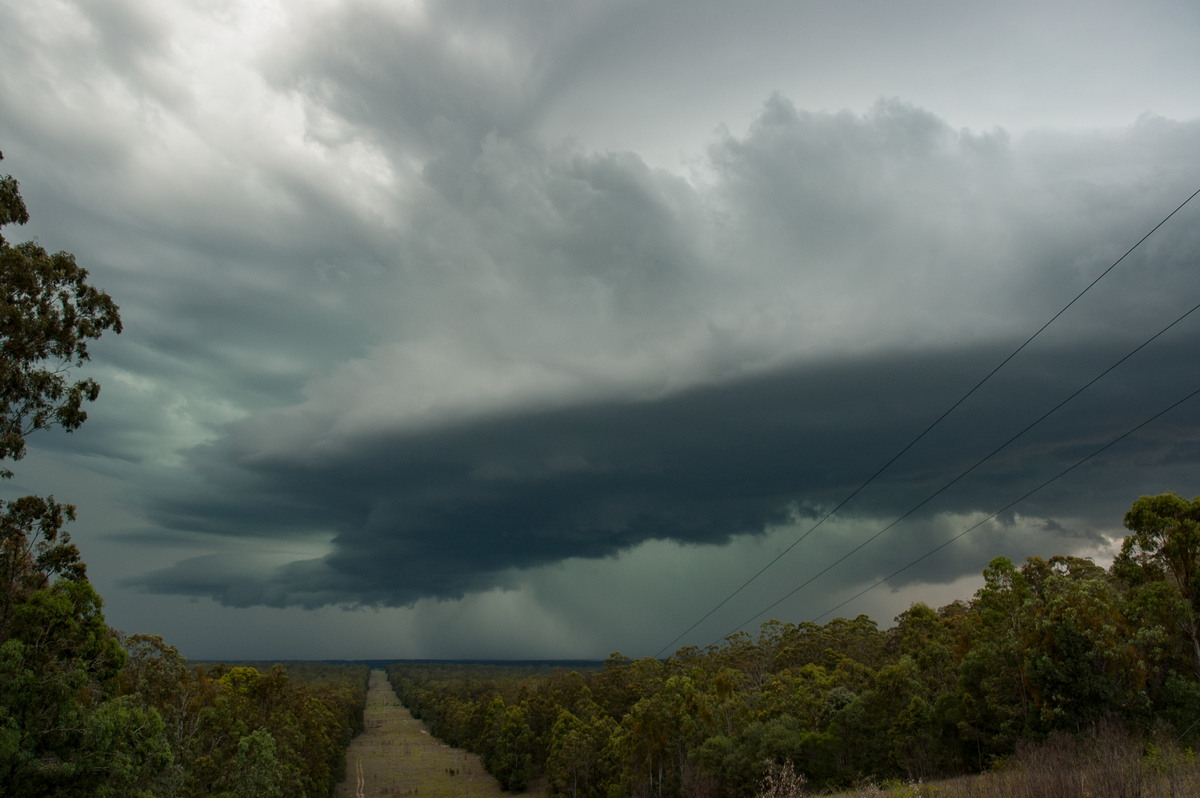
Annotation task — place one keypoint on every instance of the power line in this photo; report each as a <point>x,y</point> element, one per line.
<point>925,431</point>
<point>1010,505</point>
<point>962,474</point>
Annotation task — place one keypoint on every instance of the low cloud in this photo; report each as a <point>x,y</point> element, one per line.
<point>457,510</point>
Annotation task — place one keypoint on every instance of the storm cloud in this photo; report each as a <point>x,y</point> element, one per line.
<point>443,513</point>
<point>458,309</point>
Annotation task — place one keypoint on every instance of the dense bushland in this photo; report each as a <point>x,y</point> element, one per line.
<point>140,721</point>
<point>233,730</point>
<point>1051,650</point>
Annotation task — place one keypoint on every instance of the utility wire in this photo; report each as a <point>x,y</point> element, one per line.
<point>962,474</point>
<point>1010,505</point>
<point>926,431</point>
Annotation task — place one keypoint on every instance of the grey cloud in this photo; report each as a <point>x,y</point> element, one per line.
<point>444,513</point>
<point>410,312</point>
<point>134,40</point>
<point>408,83</point>
<point>814,205</point>
<point>955,229</point>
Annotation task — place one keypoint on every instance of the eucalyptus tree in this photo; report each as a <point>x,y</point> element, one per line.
<point>48,317</point>
<point>63,730</point>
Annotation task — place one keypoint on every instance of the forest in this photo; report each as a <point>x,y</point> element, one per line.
<point>1052,650</point>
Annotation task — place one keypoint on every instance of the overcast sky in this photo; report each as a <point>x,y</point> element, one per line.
<point>535,329</point>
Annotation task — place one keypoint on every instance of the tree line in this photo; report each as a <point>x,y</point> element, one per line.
<point>1056,646</point>
<point>85,710</point>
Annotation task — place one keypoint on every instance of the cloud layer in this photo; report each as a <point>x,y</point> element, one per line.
<point>427,301</point>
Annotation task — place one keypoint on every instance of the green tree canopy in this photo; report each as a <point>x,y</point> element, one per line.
<point>59,661</point>
<point>48,316</point>
<point>1165,544</point>
<point>1166,536</point>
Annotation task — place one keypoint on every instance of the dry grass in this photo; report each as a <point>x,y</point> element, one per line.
<point>396,756</point>
<point>1111,765</point>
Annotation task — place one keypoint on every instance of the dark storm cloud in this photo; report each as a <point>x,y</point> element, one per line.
<point>428,299</point>
<point>444,513</point>
<point>513,444</point>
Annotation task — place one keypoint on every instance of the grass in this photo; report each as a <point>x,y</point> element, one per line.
<point>1108,765</point>
<point>396,756</point>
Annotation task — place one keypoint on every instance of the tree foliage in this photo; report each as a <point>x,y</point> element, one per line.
<point>49,315</point>
<point>59,661</point>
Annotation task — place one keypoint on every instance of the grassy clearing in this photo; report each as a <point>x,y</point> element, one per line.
<point>396,756</point>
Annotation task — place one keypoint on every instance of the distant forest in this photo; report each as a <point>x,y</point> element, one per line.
<point>1055,648</point>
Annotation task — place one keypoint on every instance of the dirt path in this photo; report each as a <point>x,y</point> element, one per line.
<point>396,756</point>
